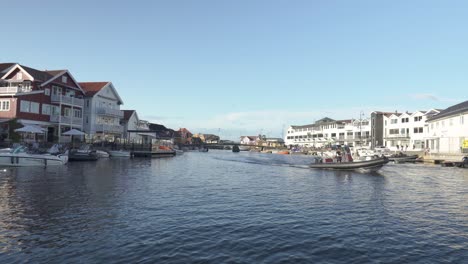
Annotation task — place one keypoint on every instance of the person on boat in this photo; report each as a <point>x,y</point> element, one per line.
<point>338,156</point>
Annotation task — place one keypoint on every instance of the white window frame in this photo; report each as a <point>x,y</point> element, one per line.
<point>77,113</point>
<point>64,79</point>
<point>46,109</point>
<point>5,105</point>
<point>25,106</point>
<point>47,91</point>
<point>34,107</point>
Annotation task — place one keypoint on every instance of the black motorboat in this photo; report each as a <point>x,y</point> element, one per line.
<point>401,157</point>
<point>463,163</point>
<point>235,148</point>
<point>85,153</point>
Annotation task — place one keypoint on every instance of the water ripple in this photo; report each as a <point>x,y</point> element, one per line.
<point>224,207</point>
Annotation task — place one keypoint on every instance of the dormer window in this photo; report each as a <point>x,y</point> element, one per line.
<point>19,76</point>
<point>64,79</point>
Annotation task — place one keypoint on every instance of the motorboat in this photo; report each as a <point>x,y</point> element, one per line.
<point>20,157</point>
<point>120,153</point>
<point>102,154</point>
<point>368,165</point>
<point>244,148</point>
<point>463,163</point>
<point>401,157</point>
<point>203,150</point>
<point>178,152</point>
<point>235,148</point>
<point>84,153</point>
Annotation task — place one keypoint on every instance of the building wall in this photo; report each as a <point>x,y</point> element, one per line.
<point>446,135</point>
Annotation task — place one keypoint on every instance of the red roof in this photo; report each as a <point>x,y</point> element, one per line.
<point>91,88</point>
<point>128,114</point>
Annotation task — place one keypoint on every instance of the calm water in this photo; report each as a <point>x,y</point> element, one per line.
<point>224,207</point>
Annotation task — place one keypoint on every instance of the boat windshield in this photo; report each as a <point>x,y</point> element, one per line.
<point>19,149</point>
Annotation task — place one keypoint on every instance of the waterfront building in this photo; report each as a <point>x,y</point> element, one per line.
<point>274,142</point>
<point>207,138</point>
<point>406,131</point>
<point>51,99</point>
<point>447,132</point>
<point>102,112</point>
<point>131,122</point>
<point>183,136</point>
<point>327,131</point>
<point>249,140</point>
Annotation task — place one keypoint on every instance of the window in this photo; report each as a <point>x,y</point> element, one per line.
<point>66,112</point>
<point>19,76</point>
<point>418,130</point>
<point>55,110</point>
<point>34,108</point>
<point>25,106</point>
<point>393,121</point>
<point>402,131</point>
<point>405,120</point>
<point>47,92</point>
<point>5,105</point>
<point>46,109</point>
<point>462,121</point>
<point>417,118</point>
<point>393,131</point>
<point>56,90</point>
<point>77,113</point>
<point>64,79</point>
<point>451,121</point>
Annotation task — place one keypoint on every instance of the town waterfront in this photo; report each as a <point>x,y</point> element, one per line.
<point>224,207</point>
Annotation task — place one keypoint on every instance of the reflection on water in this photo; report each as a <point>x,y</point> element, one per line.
<point>231,207</point>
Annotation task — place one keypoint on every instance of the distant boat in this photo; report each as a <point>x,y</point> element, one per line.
<point>235,148</point>
<point>203,150</point>
<point>119,153</point>
<point>244,148</point>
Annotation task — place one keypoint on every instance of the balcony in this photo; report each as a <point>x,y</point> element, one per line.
<point>66,120</point>
<point>113,129</point>
<point>14,90</point>
<point>397,136</point>
<point>109,112</point>
<point>73,101</point>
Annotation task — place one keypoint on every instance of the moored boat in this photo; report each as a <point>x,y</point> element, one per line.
<point>400,158</point>
<point>120,153</point>
<point>85,153</point>
<point>19,157</point>
<point>463,163</point>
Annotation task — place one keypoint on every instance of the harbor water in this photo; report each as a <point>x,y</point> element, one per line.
<point>224,207</point>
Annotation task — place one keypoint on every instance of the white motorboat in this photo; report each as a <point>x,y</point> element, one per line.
<point>19,157</point>
<point>119,153</point>
<point>102,154</point>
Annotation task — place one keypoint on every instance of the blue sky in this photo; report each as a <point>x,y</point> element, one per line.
<point>245,67</point>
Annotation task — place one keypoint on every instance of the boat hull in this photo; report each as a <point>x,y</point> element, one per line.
<point>82,156</point>
<point>119,153</point>
<point>371,165</point>
<point>31,160</point>
<point>403,159</point>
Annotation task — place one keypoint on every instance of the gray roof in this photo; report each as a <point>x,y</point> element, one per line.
<point>452,110</point>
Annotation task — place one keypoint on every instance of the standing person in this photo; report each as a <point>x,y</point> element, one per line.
<point>406,149</point>
<point>338,156</point>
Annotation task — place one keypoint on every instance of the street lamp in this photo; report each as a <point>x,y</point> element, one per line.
<point>361,113</point>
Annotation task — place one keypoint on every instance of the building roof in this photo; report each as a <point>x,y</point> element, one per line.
<point>91,88</point>
<point>452,110</point>
<point>5,66</point>
<point>128,114</point>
